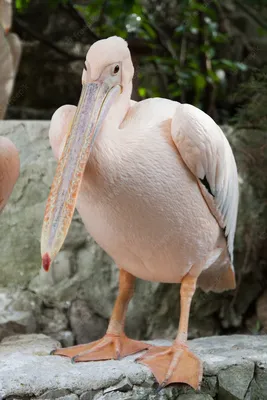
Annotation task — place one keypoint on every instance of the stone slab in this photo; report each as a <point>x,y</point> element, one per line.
<point>234,367</point>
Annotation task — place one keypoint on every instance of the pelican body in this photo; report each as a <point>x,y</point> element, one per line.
<point>155,183</point>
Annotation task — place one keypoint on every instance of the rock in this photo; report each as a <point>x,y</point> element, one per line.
<point>86,325</point>
<point>54,394</point>
<point>124,386</point>
<point>195,396</point>
<point>18,312</point>
<point>234,367</point>
<point>66,338</point>
<point>262,311</point>
<point>58,395</point>
<point>114,396</point>
<point>53,320</point>
<point>230,386</point>
<point>209,385</point>
<point>89,395</point>
<point>260,382</point>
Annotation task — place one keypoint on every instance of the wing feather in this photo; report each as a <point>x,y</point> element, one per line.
<point>207,153</point>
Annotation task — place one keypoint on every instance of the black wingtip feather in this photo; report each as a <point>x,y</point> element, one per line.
<point>205,182</point>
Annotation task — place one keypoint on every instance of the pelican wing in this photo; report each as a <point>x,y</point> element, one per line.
<point>207,153</point>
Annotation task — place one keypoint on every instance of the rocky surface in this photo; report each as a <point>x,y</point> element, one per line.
<point>235,368</point>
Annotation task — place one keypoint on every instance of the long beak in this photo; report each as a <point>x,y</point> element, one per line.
<point>95,101</point>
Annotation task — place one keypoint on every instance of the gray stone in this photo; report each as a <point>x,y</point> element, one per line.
<point>27,369</point>
<point>209,385</point>
<point>255,392</point>
<point>249,393</point>
<point>115,396</point>
<point>86,325</point>
<point>18,312</point>
<point>64,337</point>
<point>25,345</point>
<point>53,320</point>
<point>259,384</point>
<point>219,353</point>
<point>54,394</point>
<point>124,386</point>
<point>195,396</point>
<point>135,394</point>
<point>26,359</point>
<point>89,395</point>
<point>234,381</point>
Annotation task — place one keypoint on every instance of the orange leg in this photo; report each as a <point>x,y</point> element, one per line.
<point>176,363</point>
<point>115,344</point>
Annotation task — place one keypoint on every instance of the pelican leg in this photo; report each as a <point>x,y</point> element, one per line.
<point>115,344</point>
<point>176,364</point>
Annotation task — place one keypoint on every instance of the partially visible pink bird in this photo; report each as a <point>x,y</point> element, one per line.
<point>10,53</point>
<point>158,190</point>
<point>9,169</point>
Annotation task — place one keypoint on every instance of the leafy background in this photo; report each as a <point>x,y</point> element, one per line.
<point>190,51</point>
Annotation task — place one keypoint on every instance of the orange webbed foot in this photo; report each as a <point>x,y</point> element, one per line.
<point>110,347</point>
<point>175,364</point>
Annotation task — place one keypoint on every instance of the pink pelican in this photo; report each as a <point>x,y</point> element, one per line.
<point>10,53</point>
<point>9,169</point>
<point>158,191</point>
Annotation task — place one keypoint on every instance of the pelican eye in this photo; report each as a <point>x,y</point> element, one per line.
<point>116,69</point>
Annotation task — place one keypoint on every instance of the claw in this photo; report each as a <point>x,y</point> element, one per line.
<point>159,388</point>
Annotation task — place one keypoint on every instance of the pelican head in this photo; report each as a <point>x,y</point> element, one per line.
<point>108,60</point>
<point>107,72</point>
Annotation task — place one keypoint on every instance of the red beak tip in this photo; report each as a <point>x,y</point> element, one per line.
<point>46,262</point>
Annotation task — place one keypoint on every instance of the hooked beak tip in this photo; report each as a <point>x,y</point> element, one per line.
<point>46,260</point>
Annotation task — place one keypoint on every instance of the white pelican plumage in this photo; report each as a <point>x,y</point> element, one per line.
<point>158,190</point>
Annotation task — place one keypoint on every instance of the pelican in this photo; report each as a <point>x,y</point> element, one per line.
<point>10,53</point>
<point>156,185</point>
<point>9,169</point>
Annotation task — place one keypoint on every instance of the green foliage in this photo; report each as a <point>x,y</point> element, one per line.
<point>21,5</point>
<point>253,95</point>
<point>188,57</point>
<point>187,53</point>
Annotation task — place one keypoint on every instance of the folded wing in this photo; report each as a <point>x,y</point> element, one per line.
<point>207,153</point>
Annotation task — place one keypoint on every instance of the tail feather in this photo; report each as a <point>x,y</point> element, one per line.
<point>220,276</point>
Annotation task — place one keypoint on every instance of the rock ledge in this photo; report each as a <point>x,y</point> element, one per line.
<point>235,367</point>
